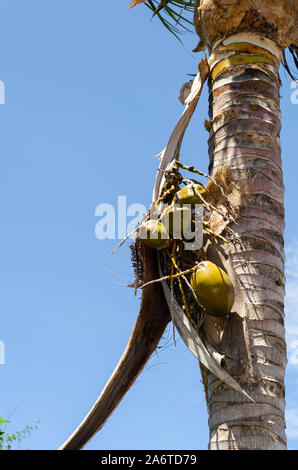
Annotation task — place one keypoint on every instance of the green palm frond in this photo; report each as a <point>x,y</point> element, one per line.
<point>176,15</point>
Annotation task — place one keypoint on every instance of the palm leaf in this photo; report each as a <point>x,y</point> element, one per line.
<point>176,15</point>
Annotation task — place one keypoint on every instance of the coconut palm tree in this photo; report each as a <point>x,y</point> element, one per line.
<point>246,41</point>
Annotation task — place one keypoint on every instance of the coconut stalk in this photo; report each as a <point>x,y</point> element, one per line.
<point>246,40</point>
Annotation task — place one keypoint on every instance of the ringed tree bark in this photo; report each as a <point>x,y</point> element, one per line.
<point>246,40</point>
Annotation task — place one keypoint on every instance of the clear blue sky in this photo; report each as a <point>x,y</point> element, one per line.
<point>91,97</point>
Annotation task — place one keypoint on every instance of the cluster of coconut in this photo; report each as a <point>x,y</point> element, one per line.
<point>210,283</point>
<point>158,233</point>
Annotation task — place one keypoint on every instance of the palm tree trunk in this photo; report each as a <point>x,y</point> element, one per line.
<point>244,128</point>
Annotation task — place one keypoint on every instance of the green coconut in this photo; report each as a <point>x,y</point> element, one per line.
<point>154,234</point>
<point>177,220</point>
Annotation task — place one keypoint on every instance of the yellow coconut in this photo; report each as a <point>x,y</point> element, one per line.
<point>213,288</point>
<point>189,194</point>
